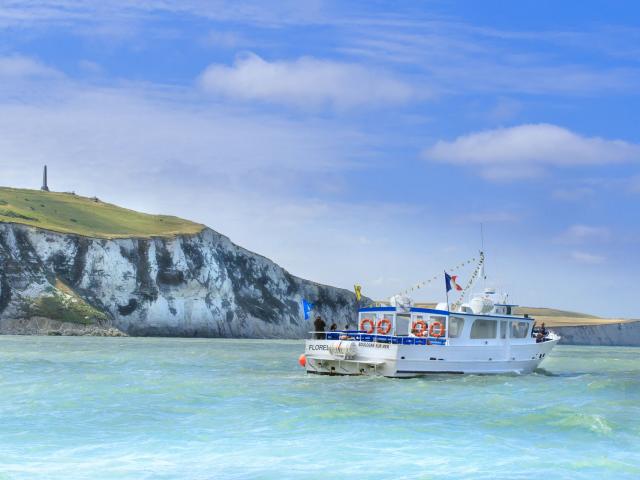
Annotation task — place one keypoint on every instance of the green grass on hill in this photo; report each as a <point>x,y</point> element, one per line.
<point>63,304</point>
<point>533,311</point>
<point>550,312</point>
<point>69,213</point>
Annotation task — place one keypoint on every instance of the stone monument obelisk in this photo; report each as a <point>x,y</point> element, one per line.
<point>44,186</point>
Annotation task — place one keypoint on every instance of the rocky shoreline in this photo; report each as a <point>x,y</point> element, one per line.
<point>612,335</point>
<point>47,326</point>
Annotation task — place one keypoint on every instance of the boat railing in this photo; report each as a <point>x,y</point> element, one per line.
<point>363,336</point>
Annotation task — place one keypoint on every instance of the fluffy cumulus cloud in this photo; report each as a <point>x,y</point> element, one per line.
<point>527,150</point>
<point>305,82</point>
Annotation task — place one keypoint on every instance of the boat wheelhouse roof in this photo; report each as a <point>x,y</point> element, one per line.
<point>434,311</point>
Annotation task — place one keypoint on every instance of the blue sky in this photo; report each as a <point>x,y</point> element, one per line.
<point>349,141</point>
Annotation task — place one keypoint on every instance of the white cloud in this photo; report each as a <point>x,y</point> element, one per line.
<point>588,258</point>
<point>255,178</point>
<point>527,150</point>
<point>18,66</point>
<point>106,132</point>
<point>305,82</point>
<point>455,55</point>
<point>253,12</point>
<point>584,233</point>
<point>463,58</point>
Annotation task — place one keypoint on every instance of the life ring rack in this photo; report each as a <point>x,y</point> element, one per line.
<point>367,321</point>
<point>422,331</point>
<point>384,326</point>
<point>440,328</point>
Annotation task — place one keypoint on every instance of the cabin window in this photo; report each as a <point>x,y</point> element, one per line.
<point>519,329</point>
<point>456,324</point>
<point>371,316</point>
<point>503,329</point>
<point>403,322</point>
<point>484,329</point>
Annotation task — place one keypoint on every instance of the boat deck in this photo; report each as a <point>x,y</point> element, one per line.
<point>361,336</point>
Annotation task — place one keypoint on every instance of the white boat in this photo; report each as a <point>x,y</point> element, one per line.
<point>405,341</point>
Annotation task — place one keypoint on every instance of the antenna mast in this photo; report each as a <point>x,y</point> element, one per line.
<point>484,276</point>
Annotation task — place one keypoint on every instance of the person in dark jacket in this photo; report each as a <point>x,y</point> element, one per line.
<point>333,327</point>
<point>319,327</point>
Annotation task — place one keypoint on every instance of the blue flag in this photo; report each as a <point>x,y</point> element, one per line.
<point>306,308</point>
<point>447,281</point>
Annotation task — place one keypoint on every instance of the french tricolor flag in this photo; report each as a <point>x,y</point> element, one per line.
<point>450,282</point>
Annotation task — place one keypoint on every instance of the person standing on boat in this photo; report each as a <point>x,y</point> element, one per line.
<point>333,327</point>
<point>319,327</point>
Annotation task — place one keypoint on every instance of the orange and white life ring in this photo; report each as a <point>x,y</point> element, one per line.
<point>440,328</point>
<point>423,328</point>
<point>369,322</point>
<point>384,326</point>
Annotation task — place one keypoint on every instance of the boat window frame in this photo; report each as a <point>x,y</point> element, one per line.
<point>394,318</point>
<point>458,331</point>
<point>476,321</point>
<point>369,315</point>
<point>520,323</point>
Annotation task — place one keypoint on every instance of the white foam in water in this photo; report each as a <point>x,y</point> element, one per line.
<point>105,408</point>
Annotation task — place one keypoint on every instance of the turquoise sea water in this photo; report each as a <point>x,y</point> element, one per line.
<point>137,408</point>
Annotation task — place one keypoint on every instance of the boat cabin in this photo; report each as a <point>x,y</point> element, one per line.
<point>433,326</point>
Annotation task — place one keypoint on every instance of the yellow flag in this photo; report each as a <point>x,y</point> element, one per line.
<point>358,290</point>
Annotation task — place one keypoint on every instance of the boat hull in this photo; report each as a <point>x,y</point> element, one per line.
<point>385,359</point>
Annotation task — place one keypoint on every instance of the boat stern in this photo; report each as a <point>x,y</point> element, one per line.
<point>348,357</point>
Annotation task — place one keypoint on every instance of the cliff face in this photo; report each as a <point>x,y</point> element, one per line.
<point>190,285</point>
<point>614,335</point>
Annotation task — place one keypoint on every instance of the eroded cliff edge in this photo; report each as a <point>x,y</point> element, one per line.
<point>613,335</point>
<point>188,285</point>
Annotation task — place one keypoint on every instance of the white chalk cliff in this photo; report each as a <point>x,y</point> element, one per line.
<point>190,285</point>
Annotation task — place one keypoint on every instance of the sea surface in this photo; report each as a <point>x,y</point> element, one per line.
<point>137,408</point>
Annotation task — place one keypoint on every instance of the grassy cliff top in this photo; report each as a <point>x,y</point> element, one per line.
<point>555,318</point>
<point>70,213</point>
<point>550,312</point>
